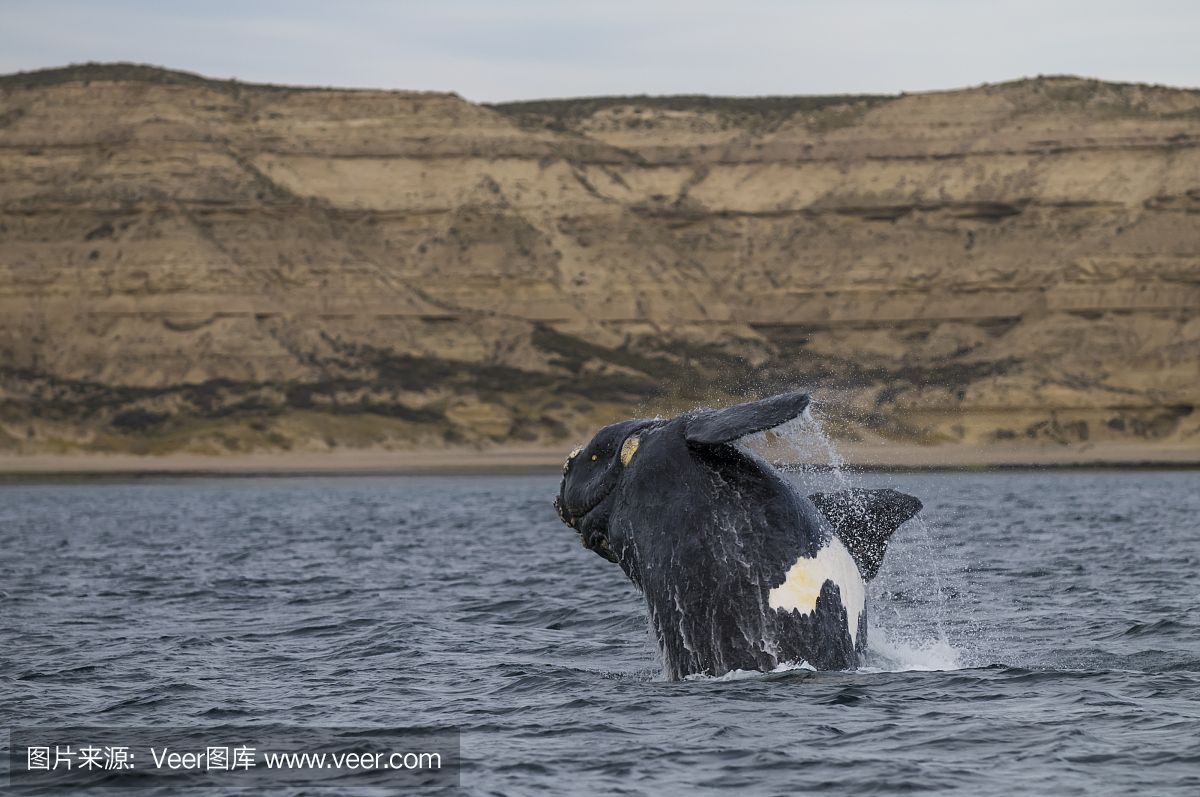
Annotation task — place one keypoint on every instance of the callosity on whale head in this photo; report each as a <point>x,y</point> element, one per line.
<point>739,570</point>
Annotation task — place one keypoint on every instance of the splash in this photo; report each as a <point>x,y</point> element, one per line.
<point>744,675</point>
<point>911,611</point>
<point>929,655</point>
<point>802,449</point>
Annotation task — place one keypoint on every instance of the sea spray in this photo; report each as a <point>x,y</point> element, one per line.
<point>911,616</point>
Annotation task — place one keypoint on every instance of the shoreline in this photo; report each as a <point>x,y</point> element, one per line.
<point>520,460</point>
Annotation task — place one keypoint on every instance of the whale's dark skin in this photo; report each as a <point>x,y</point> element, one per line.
<point>706,531</point>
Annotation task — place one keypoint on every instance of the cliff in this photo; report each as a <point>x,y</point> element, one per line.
<point>209,266</point>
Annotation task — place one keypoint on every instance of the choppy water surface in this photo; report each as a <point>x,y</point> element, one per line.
<point>1038,633</point>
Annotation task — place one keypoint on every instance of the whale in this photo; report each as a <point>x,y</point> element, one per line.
<point>739,570</point>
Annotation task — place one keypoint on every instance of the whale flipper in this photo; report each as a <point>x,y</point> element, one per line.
<point>864,520</point>
<point>713,427</point>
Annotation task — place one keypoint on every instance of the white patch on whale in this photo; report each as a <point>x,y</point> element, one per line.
<point>803,581</point>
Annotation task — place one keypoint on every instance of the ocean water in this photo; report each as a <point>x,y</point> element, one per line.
<point>1034,633</point>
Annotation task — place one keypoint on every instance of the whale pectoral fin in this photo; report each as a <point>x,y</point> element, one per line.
<point>713,427</point>
<point>865,521</point>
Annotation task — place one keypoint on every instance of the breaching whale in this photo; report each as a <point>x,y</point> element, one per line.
<point>739,570</point>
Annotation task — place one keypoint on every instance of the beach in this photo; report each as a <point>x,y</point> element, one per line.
<point>513,459</point>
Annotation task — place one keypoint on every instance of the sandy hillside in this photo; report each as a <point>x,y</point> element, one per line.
<point>203,267</point>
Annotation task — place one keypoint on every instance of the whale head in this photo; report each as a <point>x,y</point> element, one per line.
<point>593,472</point>
<point>590,478</point>
<point>864,519</point>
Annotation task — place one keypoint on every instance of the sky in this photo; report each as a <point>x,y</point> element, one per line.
<point>495,50</point>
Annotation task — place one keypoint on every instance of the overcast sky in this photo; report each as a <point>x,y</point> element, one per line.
<point>491,50</point>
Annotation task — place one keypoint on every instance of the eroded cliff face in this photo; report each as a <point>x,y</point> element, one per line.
<point>200,265</point>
